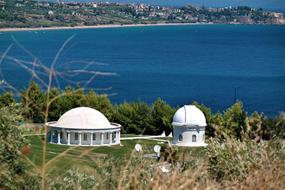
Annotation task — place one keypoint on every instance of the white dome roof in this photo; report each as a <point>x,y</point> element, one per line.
<point>83,118</point>
<point>189,115</point>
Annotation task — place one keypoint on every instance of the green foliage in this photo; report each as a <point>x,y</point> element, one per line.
<point>34,103</point>
<point>135,118</point>
<point>56,107</point>
<point>255,123</point>
<point>261,127</point>
<point>228,160</point>
<point>232,159</point>
<point>141,118</point>
<point>74,179</point>
<point>6,99</point>
<point>14,171</point>
<point>62,101</point>
<point>280,126</point>
<point>123,114</point>
<point>30,13</point>
<point>71,98</point>
<point>235,121</point>
<point>162,114</point>
<point>218,119</point>
<point>99,102</point>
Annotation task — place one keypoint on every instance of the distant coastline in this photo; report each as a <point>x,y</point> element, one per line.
<point>112,26</point>
<point>33,15</point>
<point>96,26</point>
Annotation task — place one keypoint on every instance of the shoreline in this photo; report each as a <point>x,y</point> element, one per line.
<point>96,26</point>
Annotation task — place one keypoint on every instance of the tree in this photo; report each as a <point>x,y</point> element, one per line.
<point>55,108</point>
<point>280,126</point>
<point>14,172</point>
<point>70,98</point>
<point>142,118</point>
<point>162,114</point>
<point>235,120</point>
<point>34,102</point>
<point>123,114</point>
<point>6,99</point>
<point>100,102</point>
<point>255,126</point>
<point>135,118</point>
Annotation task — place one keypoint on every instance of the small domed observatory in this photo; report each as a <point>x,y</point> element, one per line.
<point>189,124</point>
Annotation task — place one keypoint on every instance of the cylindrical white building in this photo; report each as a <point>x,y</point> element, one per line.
<point>189,124</point>
<point>83,126</point>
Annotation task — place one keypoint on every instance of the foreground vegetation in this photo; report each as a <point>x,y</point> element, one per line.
<point>244,152</point>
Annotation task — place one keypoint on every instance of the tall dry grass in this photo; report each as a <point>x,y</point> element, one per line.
<point>240,165</point>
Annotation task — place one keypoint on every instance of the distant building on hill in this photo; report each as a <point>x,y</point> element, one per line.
<point>189,124</point>
<point>83,126</point>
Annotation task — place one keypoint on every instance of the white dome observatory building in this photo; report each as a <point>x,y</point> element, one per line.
<point>189,124</point>
<point>83,126</point>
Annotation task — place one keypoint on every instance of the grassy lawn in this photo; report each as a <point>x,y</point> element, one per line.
<point>60,158</point>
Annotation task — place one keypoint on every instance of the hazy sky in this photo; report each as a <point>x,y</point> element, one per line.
<point>267,4</point>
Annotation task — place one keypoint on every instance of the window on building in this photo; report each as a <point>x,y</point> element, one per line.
<point>180,138</point>
<point>55,134</point>
<point>94,136</point>
<point>113,136</point>
<point>76,136</point>
<point>107,136</point>
<point>194,138</point>
<point>85,137</point>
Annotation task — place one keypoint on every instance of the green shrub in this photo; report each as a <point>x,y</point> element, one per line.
<point>74,179</point>
<point>233,159</point>
<point>14,168</point>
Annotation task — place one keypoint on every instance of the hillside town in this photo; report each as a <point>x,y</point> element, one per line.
<point>28,13</point>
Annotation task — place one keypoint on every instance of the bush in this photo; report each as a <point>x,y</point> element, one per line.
<point>74,179</point>
<point>233,159</point>
<point>14,169</point>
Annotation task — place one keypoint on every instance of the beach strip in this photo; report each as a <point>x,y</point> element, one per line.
<point>95,26</point>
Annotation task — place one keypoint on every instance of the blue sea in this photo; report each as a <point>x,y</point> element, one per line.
<point>211,64</point>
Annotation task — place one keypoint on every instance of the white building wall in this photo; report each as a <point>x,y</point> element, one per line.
<point>176,132</point>
<point>63,137</point>
<point>106,138</point>
<point>187,136</point>
<point>88,141</point>
<point>97,139</point>
<point>72,138</point>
